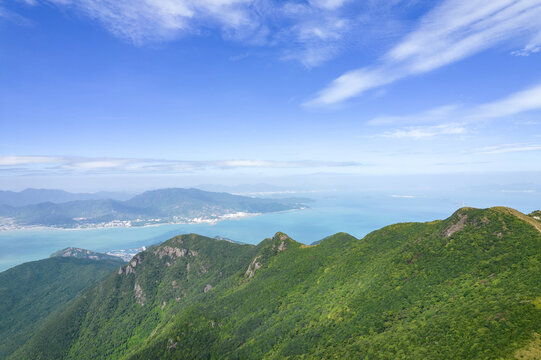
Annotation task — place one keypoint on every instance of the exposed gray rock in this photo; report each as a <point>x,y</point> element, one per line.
<point>171,252</point>
<point>253,267</point>
<point>139,294</point>
<point>456,227</point>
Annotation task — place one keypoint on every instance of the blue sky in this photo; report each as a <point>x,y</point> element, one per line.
<point>180,92</point>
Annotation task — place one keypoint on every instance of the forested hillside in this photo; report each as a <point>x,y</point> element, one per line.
<point>32,291</point>
<point>463,288</point>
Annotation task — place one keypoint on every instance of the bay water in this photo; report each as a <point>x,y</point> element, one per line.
<point>329,213</point>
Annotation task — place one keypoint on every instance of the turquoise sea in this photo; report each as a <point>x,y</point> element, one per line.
<point>331,212</point>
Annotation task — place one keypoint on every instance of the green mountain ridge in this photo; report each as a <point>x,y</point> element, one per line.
<point>466,287</point>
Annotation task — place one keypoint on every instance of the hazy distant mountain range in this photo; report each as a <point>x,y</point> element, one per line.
<point>36,196</point>
<point>466,287</point>
<point>152,207</point>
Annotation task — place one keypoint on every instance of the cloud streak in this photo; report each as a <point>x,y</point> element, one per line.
<point>421,132</point>
<point>67,165</point>
<point>311,32</point>
<point>509,148</point>
<point>451,32</point>
<point>522,101</point>
<point>455,120</point>
<point>142,21</point>
<point>432,115</point>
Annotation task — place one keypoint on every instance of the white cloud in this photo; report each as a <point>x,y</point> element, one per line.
<point>447,116</point>
<point>13,17</point>
<point>351,84</point>
<point>507,148</point>
<point>452,31</point>
<point>7,160</point>
<point>98,164</point>
<point>534,46</point>
<point>318,40</point>
<point>151,20</point>
<point>420,132</point>
<point>311,32</point>
<point>52,164</point>
<point>432,115</point>
<point>522,101</point>
<point>329,4</point>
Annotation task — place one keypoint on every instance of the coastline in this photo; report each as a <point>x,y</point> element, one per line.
<point>116,224</point>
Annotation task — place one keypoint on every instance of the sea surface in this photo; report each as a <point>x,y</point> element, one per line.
<point>329,213</point>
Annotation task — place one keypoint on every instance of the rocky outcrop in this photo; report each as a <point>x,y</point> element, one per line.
<point>253,267</point>
<point>171,252</point>
<point>459,225</point>
<point>139,294</point>
<point>130,268</point>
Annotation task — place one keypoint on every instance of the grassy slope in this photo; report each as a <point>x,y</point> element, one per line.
<point>31,291</point>
<point>463,288</point>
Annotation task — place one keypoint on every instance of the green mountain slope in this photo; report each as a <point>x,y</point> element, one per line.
<point>463,288</point>
<point>31,291</point>
<point>139,299</point>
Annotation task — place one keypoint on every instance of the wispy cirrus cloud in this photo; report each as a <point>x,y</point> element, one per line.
<point>451,32</point>
<point>319,39</point>
<point>508,148</point>
<point>144,21</point>
<point>421,132</point>
<point>519,102</point>
<point>311,32</point>
<point>13,17</point>
<point>431,115</point>
<point>66,165</point>
<point>534,46</point>
<point>10,160</point>
<point>455,119</point>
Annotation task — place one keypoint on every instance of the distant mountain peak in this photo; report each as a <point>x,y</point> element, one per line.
<point>79,253</point>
